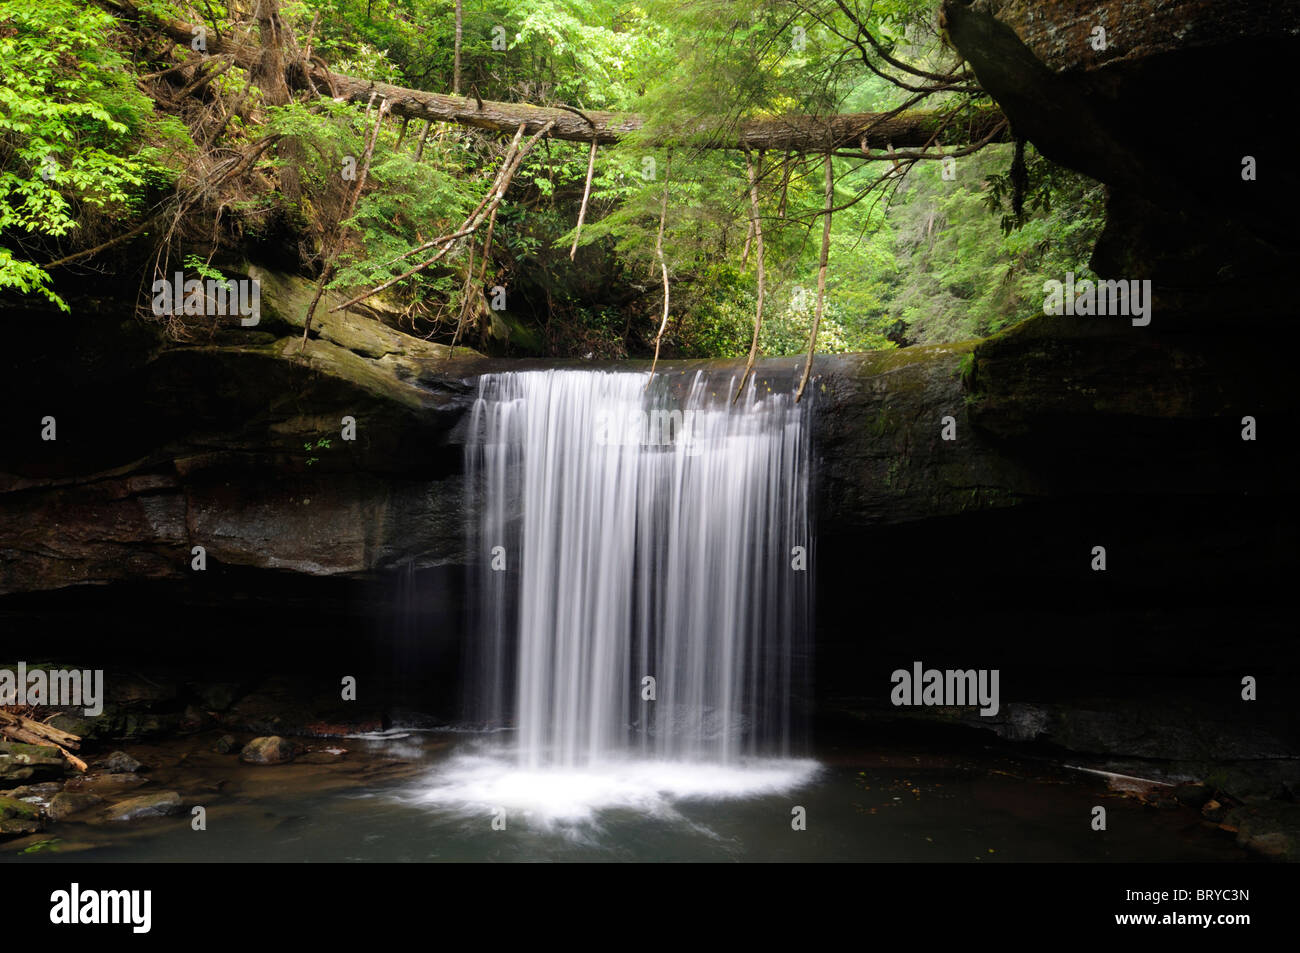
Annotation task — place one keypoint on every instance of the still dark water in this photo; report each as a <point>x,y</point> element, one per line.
<point>434,797</point>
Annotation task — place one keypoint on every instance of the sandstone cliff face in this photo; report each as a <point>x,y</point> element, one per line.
<point>1152,116</point>
<point>1060,32</point>
<point>208,445</point>
<point>160,449</point>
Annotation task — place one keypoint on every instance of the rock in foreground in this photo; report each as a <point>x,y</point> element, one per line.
<point>67,803</point>
<point>147,805</point>
<point>268,750</point>
<point>18,817</point>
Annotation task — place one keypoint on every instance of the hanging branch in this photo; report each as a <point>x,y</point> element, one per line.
<point>785,181</point>
<point>365,163</point>
<point>419,152</point>
<point>955,78</point>
<point>465,299</point>
<point>471,224</point>
<point>586,195</point>
<point>663,267</point>
<point>758,250</point>
<point>77,256</point>
<point>821,277</point>
<point>335,244</point>
<point>238,107</point>
<point>506,163</point>
<point>482,276</point>
<point>487,246</point>
<point>1019,181</point>
<point>749,231</point>
<point>311,35</point>
<point>586,189</point>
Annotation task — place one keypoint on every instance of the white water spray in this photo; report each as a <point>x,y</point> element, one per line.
<point>628,536</point>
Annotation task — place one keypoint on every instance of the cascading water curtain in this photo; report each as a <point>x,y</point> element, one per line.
<point>646,561</point>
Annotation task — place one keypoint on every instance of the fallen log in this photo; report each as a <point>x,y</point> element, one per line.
<point>28,731</point>
<point>39,728</point>
<point>792,133</point>
<point>915,129</point>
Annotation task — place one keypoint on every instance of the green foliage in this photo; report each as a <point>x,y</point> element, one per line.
<point>934,261</point>
<point>323,443</point>
<point>586,53</point>
<point>205,271</point>
<point>77,137</point>
<point>964,273</point>
<point>403,204</point>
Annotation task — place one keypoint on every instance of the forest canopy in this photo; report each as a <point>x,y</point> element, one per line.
<point>114,136</point>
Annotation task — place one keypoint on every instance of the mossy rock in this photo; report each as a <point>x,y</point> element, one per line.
<point>18,817</point>
<point>68,803</point>
<point>361,330</point>
<point>13,807</point>
<point>26,763</point>
<point>1271,828</point>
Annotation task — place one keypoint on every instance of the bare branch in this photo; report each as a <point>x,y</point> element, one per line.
<point>821,278</point>
<point>758,251</point>
<point>586,196</point>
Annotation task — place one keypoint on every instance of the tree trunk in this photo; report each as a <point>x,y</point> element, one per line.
<point>455,76</point>
<point>790,133</point>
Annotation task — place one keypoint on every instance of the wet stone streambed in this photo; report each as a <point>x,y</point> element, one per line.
<point>453,796</point>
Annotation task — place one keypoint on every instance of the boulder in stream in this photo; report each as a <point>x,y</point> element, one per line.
<point>269,750</point>
<point>146,805</point>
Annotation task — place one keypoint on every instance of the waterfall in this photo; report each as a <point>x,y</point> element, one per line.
<point>645,563</point>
